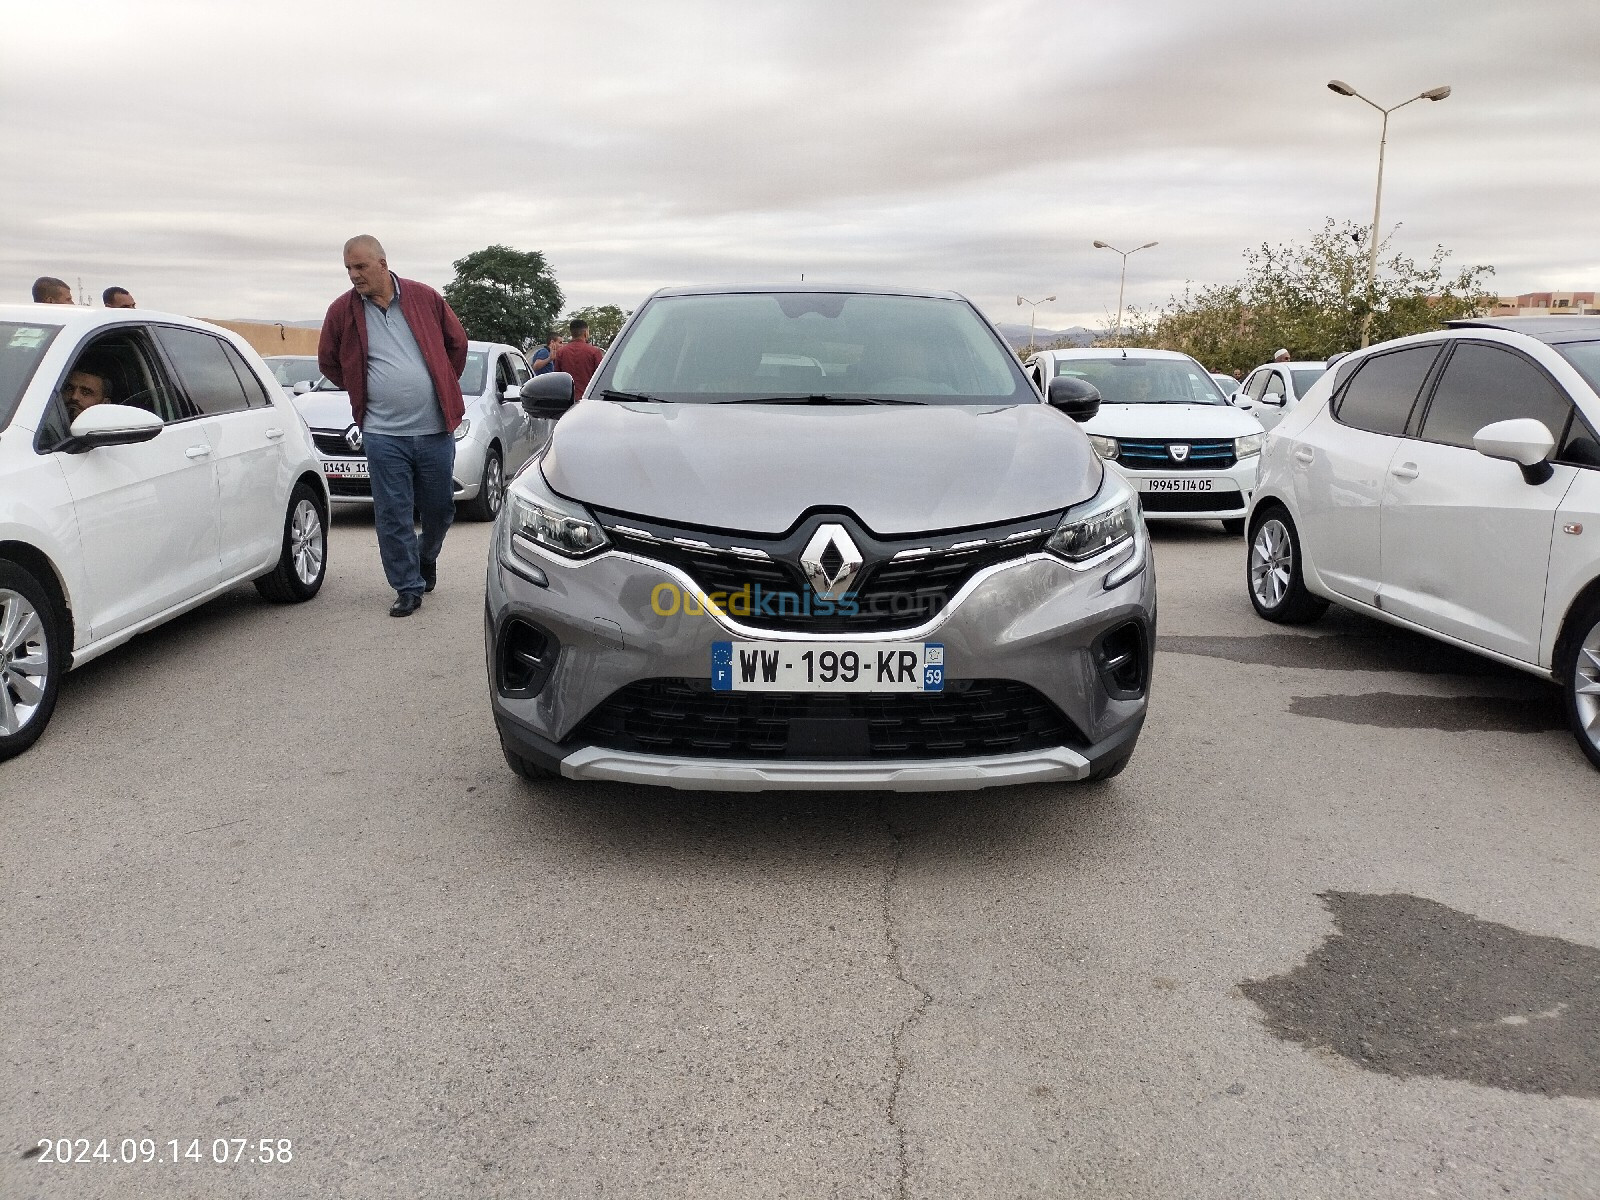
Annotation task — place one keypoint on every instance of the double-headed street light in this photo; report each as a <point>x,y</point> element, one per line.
<point>1344,89</point>
<point>1123,283</point>
<point>1034,314</point>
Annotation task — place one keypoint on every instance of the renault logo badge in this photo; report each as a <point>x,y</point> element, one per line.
<point>1179,452</point>
<point>352,438</point>
<point>831,562</point>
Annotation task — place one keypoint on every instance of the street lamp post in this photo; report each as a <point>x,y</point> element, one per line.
<point>1344,89</point>
<point>1124,281</point>
<point>1033,314</point>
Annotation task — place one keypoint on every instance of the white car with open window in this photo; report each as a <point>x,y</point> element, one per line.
<point>147,463</point>
<point>1449,483</point>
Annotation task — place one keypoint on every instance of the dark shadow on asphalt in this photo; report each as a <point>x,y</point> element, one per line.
<point>1406,986</point>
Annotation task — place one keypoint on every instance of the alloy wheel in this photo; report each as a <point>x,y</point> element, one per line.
<point>1586,685</point>
<point>494,485</point>
<point>24,661</point>
<point>306,547</point>
<point>1271,563</point>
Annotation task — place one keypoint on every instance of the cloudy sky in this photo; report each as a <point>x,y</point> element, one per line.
<point>212,156</point>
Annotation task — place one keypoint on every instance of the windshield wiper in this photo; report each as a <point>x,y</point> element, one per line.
<point>820,398</point>
<point>609,394</point>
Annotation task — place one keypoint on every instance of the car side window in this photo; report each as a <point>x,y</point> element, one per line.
<point>519,369</point>
<point>1255,383</point>
<point>1383,390</point>
<point>128,372</point>
<point>203,370</point>
<point>1483,384</point>
<point>254,391</point>
<point>1274,387</point>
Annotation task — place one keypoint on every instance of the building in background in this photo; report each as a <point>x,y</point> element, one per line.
<point>1547,304</point>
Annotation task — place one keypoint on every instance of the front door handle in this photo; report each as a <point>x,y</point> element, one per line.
<point>274,434</point>
<point>1405,471</point>
<point>197,451</point>
<point>1304,455</point>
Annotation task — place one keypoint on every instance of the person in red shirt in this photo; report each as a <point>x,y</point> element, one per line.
<point>579,358</point>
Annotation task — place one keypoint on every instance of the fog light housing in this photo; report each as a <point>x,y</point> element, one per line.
<point>1122,656</point>
<point>525,655</point>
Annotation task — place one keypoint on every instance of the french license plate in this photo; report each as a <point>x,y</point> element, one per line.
<point>827,666</point>
<point>1176,483</point>
<point>343,468</point>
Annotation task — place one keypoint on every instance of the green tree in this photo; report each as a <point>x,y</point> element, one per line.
<point>505,295</point>
<point>1310,297</point>
<point>604,321</point>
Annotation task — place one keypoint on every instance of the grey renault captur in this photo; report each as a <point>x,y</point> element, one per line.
<point>822,538</point>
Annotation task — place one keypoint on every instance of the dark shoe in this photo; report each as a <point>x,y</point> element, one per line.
<point>430,575</point>
<point>405,604</point>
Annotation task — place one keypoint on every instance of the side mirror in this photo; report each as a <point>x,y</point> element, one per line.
<point>1523,441</point>
<point>111,425</point>
<point>1275,401</point>
<point>548,396</point>
<point>1240,401</point>
<point>512,392</point>
<point>304,386</point>
<point>1076,397</point>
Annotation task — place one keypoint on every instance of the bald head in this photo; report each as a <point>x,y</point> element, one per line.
<point>368,268</point>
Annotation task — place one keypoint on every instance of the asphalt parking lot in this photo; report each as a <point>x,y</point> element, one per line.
<point>267,876</point>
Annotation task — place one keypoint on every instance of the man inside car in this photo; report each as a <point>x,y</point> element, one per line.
<point>83,389</point>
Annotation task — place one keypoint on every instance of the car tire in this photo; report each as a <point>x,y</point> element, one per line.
<point>303,561</point>
<point>33,657</point>
<point>1272,570</point>
<point>526,768</point>
<point>1233,526</point>
<point>1578,669</point>
<point>485,506</point>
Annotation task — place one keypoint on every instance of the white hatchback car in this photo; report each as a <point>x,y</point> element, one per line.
<point>185,471</point>
<point>493,441</point>
<point>1275,389</point>
<point>1165,423</point>
<point>1449,483</point>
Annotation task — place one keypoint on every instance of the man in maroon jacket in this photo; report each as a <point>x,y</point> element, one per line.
<point>579,358</point>
<point>396,347</point>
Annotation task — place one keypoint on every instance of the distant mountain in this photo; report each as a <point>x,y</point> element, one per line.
<point>1017,335</point>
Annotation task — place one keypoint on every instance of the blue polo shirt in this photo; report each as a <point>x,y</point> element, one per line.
<point>400,396</point>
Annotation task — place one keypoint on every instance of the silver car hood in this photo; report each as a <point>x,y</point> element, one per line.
<point>326,410</point>
<point>757,468</point>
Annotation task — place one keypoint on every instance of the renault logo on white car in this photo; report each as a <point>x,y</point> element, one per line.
<point>352,437</point>
<point>830,575</point>
<point>1179,451</point>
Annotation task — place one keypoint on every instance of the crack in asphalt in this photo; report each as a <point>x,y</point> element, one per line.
<point>924,1000</point>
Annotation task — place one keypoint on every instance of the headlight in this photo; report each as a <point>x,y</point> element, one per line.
<point>1249,444</point>
<point>1105,447</point>
<point>537,514</point>
<point>461,429</point>
<point>1108,520</point>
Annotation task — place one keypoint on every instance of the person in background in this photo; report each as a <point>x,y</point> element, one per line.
<point>579,358</point>
<point>1281,356</point>
<point>117,297</point>
<point>47,289</point>
<point>398,349</point>
<point>544,356</point>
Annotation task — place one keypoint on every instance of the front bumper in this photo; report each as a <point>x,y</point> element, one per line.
<point>1034,621</point>
<point>1228,497</point>
<point>356,491</point>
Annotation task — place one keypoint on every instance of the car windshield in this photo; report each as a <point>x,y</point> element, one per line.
<point>472,374</point>
<point>21,348</point>
<point>1144,380</point>
<point>1583,355</point>
<point>290,371</point>
<point>1304,379</point>
<point>741,347</point>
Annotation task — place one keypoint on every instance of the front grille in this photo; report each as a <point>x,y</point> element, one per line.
<point>1141,455</point>
<point>1177,502</point>
<point>685,718</point>
<point>350,487</point>
<point>334,445</point>
<point>890,593</point>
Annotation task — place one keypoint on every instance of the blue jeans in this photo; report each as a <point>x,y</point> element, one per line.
<point>411,474</point>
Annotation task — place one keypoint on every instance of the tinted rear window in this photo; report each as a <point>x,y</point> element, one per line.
<point>1484,384</point>
<point>1380,397</point>
<point>22,345</point>
<point>1303,379</point>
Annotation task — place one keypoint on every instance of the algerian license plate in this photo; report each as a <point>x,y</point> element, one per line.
<point>827,666</point>
<point>1176,483</point>
<point>340,468</point>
